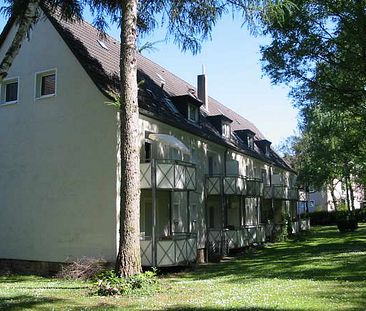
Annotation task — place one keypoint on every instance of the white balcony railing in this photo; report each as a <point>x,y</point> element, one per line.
<point>174,250</point>
<point>234,185</point>
<point>168,174</point>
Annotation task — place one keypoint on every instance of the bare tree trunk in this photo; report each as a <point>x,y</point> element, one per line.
<point>351,194</point>
<point>26,21</point>
<point>347,193</point>
<point>128,260</point>
<point>334,199</point>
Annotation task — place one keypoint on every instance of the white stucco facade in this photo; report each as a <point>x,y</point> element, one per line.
<point>57,156</point>
<point>58,198</point>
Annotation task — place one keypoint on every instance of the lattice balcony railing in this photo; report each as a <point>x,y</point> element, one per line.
<point>169,174</point>
<point>234,185</point>
<point>174,250</point>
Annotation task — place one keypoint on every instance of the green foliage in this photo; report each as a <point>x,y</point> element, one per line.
<point>109,284</point>
<point>324,218</point>
<point>289,226</point>
<point>320,52</point>
<point>347,223</point>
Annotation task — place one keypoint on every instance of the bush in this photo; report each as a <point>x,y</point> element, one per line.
<point>347,223</point>
<point>109,284</point>
<point>361,215</point>
<point>85,268</point>
<point>325,218</point>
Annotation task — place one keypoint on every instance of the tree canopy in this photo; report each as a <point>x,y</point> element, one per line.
<point>320,52</point>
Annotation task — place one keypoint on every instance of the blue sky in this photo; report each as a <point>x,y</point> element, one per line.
<point>232,64</point>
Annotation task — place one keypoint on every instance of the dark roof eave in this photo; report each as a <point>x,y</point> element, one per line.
<point>216,141</point>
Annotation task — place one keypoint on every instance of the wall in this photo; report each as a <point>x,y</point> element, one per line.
<point>57,155</point>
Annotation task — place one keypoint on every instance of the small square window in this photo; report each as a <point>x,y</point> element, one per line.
<point>9,92</point>
<point>46,84</point>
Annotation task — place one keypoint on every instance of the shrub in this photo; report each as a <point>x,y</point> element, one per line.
<point>361,215</point>
<point>85,268</point>
<point>109,284</point>
<point>347,223</point>
<point>323,218</point>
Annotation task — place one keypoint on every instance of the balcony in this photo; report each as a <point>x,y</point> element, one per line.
<point>234,185</point>
<point>293,194</point>
<point>280,192</point>
<point>303,195</point>
<point>168,175</point>
<point>221,241</point>
<point>177,249</point>
<point>254,187</point>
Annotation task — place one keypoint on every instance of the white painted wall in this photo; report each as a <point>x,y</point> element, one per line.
<point>57,155</point>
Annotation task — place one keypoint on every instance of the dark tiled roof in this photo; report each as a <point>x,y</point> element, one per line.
<point>99,56</point>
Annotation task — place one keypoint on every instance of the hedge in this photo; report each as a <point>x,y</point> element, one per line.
<point>324,218</point>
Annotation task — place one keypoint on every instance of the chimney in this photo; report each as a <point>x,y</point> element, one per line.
<point>202,88</point>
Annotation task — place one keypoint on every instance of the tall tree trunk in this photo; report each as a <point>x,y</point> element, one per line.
<point>334,199</point>
<point>26,22</point>
<point>128,260</point>
<point>347,193</point>
<point>351,195</point>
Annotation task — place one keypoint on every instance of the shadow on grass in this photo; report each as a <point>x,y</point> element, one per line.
<point>22,302</point>
<point>324,254</point>
<point>188,308</point>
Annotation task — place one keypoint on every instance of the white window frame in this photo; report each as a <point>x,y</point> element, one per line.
<point>226,130</point>
<point>250,142</point>
<point>38,83</point>
<point>3,101</point>
<point>195,110</point>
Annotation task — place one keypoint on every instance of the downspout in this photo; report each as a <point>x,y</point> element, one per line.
<point>154,212</point>
<point>223,207</point>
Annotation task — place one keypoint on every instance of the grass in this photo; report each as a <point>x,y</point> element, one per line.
<point>320,270</point>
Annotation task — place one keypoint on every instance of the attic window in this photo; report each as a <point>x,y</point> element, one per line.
<point>103,45</point>
<point>250,142</point>
<point>226,130</point>
<point>9,92</point>
<point>192,113</point>
<point>45,84</point>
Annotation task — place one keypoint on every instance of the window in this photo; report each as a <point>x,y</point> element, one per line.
<point>226,130</point>
<point>9,91</point>
<point>46,84</point>
<point>250,142</point>
<point>147,151</point>
<point>192,113</point>
<point>210,165</point>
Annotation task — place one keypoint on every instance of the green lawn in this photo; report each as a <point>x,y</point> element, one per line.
<point>322,270</point>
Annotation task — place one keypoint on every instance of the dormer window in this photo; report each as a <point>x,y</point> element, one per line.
<point>226,130</point>
<point>188,106</point>
<point>247,137</point>
<point>222,124</point>
<point>250,142</point>
<point>264,146</point>
<point>192,113</point>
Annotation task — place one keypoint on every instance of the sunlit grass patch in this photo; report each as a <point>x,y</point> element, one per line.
<point>320,270</point>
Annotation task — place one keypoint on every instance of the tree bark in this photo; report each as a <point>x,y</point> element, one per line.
<point>347,193</point>
<point>26,21</point>
<point>128,261</point>
<point>351,195</point>
<point>334,199</point>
